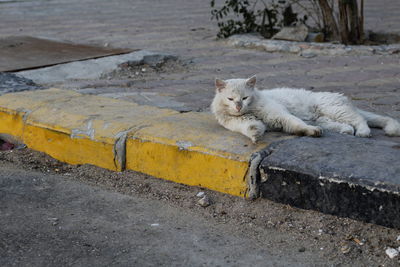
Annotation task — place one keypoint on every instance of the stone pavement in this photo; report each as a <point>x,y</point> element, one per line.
<point>183,28</point>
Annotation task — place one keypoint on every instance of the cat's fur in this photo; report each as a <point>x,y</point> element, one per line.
<point>240,107</point>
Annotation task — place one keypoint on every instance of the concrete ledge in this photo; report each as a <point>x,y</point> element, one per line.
<point>341,175</point>
<point>309,49</point>
<point>336,174</point>
<point>188,148</point>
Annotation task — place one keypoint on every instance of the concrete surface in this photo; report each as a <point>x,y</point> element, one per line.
<point>12,83</point>
<point>26,52</point>
<point>308,49</point>
<point>84,69</point>
<point>341,175</point>
<point>371,81</point>
<point>49,221</point>
<point>189,33</point>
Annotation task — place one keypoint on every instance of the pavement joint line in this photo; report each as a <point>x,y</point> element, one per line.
<point>188,148</point>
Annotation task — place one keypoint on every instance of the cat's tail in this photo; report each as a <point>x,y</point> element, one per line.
<point>389,125</point>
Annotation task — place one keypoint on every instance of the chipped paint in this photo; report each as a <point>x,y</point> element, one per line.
<point>88,132</point>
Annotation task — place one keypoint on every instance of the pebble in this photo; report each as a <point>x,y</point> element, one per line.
<point>155,224</point>
<point>398,238</point>
<point>345,249</point>
<point>54,221</point>
<point>204,202</point>
<point>143,69</point>
<point>307,54</point>
<point>200,194</point>
<point>392,252</point>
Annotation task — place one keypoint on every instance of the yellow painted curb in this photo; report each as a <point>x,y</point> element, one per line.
<point>188,148</point>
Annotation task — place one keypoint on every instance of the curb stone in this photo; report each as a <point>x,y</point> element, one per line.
<point>188,148</point>
<point>341,175</point>
<point>336,174</point>
<point>309,49</point>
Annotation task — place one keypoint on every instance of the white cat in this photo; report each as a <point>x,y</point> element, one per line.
<point>240,107</point>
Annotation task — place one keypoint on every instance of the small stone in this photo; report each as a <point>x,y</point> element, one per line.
<point>398,238</point>
<point>200,194</point>
<point>204,202</point>
<point>345,249</point>
<point>308,54</point>
<point>137,73</point>
<point>143,69</point>
<point>155,224</point>
<point>302,249</point>
<point>297,33</point>
<point>106,45</point>
<point>392,252</point>
<point>315,37</point>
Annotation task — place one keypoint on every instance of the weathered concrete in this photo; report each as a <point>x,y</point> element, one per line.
<point>371,81</point>
<point>305,48</point>
<point>10,83</point>
<point>47,220</point>
<point>88,69</point>
<point>19,53</point>
<point>337,174</point>
<point>189,148</point>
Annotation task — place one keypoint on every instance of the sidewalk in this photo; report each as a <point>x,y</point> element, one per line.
<point>106,110</point>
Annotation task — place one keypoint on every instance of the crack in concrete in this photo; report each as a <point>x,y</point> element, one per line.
<point>119,150</point>
<point>253,175</point>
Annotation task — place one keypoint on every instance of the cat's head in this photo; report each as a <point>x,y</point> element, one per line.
<point>236,95</point>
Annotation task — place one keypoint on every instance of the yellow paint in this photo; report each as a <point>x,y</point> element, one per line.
<point>214,157</point>
<point>11,123</point>
<point>61,146</point>
<point>187,167</point>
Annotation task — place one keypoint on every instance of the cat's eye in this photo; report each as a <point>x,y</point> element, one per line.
<point>230,98</point>
<point>244,98</point>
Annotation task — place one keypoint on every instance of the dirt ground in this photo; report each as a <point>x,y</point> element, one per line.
<point>341,241</point>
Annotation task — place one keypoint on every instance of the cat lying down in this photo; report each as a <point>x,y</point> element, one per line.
<point>240,107</point>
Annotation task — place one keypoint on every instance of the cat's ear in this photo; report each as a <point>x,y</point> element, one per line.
<point>251,82</point>
<point>220,84</point>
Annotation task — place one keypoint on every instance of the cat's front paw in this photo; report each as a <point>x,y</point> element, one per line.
<point>255,131</point>
<point>363,132</point>
<point>392,128</point>
<point>347,129</point>
<point>314,131</point>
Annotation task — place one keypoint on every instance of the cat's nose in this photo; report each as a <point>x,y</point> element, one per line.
<point>238,106</point>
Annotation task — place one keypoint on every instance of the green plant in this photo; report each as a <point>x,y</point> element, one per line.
<point>244,16</point>
<point>339,20</point>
